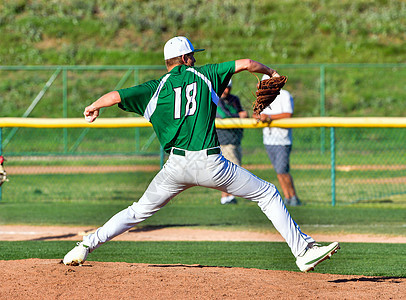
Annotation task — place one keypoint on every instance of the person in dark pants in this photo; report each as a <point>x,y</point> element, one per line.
<point>229,106</point>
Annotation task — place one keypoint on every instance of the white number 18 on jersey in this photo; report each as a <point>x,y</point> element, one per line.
<point>191,105</point>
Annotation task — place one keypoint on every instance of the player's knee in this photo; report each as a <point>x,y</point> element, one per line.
<point>271,195</point>
<point>139,212</point>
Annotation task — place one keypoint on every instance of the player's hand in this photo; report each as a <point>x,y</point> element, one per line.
<point>262,117</point>
<point>256,117</point>
<point>275,74</point>
<point>91,113</point>
<point>266,118</point>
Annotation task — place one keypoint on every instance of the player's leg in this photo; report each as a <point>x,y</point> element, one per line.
<point>274,155</point>
<point>286,185</point>
<point>282,169</point>
<point>270,201</point>
<point>161,190</point>
<point>279,156</point>
<point>241,183</point>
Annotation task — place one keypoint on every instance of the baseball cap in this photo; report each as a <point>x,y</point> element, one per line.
<point>177,46</point>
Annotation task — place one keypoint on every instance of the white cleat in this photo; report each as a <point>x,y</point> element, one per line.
<point>228,200</point>
<point>314,255</point>
<point>77,256</point>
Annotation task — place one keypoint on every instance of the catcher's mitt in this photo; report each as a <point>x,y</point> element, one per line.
<point>3,174</point>
<point>267,91</point>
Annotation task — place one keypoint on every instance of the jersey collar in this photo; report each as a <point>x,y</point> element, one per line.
<point>178,69</point>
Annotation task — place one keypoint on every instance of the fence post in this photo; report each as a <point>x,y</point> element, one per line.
<point>65,107</point>
<point>86,130</point>
<point>322,106</point>
<point>137,129</point>
<point>333,166</point>
<point>34,103</point>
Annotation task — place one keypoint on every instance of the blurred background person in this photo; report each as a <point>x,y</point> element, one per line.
<point>229,106</point>
<point>278,143</point>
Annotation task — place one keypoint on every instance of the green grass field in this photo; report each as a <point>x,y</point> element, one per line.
<point>199,207</point>
<point>352,258</point>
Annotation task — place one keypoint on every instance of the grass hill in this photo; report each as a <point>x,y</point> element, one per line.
<point>133,32</point>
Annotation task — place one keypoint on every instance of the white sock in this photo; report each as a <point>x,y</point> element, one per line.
<point>224,200</point>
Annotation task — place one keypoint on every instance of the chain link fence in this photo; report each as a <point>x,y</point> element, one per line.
<point>369,162</point>
<point>363,164</point>
<point>351,165</point>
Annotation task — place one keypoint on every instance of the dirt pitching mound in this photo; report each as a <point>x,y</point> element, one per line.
<point>49,279</point>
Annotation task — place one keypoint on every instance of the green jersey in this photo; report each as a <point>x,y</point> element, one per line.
<point>182,104</point>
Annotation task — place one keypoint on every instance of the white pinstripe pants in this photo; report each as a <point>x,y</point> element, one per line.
<point>197,168</point>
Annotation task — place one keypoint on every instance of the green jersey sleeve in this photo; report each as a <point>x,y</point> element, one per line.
<point>136,98</point>
<point>219,74</point>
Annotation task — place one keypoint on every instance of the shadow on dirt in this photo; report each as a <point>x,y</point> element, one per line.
<point>55,237</point>
<point>184,266</point>
<point>157,227</point>
<point>368,279</point>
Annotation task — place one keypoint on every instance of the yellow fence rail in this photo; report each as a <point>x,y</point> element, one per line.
<point>220,123</point>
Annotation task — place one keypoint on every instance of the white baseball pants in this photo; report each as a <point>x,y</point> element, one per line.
<point>197,168</point>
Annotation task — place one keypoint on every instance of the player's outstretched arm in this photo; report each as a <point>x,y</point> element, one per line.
<point>254,66</point>
<point>92,111</point>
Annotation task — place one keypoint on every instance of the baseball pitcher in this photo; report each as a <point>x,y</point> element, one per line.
<point>181,105</point>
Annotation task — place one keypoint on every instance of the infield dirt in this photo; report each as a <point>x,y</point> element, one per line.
<point>49,279</point>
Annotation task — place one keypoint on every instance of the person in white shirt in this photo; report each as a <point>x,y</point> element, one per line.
<point>278,143</point>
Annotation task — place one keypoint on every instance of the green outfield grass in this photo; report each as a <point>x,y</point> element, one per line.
<point>351,259</point>
<point>95,199</point>
<point>313,185</point>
